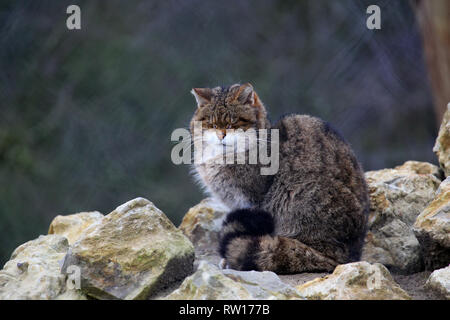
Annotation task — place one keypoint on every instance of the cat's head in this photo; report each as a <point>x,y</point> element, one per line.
<point>222,110</point>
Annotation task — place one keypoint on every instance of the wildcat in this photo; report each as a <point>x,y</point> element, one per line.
<point>309,216</point>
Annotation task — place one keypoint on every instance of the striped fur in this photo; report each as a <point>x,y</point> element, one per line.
<point>247,242</point>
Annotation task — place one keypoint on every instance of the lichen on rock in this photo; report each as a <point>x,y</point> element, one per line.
<point>432,229</point>
<point>134,252</point>
<point>397,198</point>
<point>202,224</point>
<point>73,225</point>
<point>210,283</point>
<point>33,272</point>
<point>354,281</point>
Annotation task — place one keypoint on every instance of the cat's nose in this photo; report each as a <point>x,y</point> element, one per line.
<point>221,134</point>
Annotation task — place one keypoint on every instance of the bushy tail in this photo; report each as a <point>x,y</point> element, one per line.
<point>248,242</point>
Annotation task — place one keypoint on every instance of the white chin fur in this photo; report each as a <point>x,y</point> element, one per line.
<point>213,147</point>
<point>210,137</point>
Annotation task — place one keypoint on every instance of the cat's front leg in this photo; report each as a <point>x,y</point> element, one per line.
<point>223,264</point>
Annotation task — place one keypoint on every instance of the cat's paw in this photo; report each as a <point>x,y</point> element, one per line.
<point>223,264</point>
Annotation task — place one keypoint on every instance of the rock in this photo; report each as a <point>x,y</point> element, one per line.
<point>135,252</point>
<point>354,281</point>
<point>439,282</point>
<point>297,279</point>
<point>419,168</point>
<point>397,197</point>
<point>72,295</point>
<point>432,229</point>
<point>408,168</point>
<point>442,145</point>
<point>202,224</point>
<point>34,272</point>
<point>263,285</point>
<point>210,283</point>
<point>71,226</point>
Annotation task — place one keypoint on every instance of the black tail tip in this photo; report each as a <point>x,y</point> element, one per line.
<point>256,222</point>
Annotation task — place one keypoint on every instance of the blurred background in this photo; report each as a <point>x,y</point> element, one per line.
<point>86,115</point>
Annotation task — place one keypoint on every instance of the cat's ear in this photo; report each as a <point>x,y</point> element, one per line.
<point>245,94</point>
<point>202,96</point>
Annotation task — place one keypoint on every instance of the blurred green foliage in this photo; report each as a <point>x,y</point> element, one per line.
<point>87,115</point>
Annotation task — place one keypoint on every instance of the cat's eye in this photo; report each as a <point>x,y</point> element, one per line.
<point>214,126</point>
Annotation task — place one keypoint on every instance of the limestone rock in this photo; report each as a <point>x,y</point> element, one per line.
<point>202,224</point>
<point>263,285</point>
<point>397,197</point>
<point>442,145</point>
<point>132,254</point>
<point>210,283</point>
<point>439,281</point>
<point>432,229</point>
<point>419,167</point>
<point>354,281</point>
<point>71,226</point>
<point>33,273</point>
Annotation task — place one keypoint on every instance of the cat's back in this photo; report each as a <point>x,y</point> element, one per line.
<point>311,150</point>
<point>312,141</point>
<point>308,130</point>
